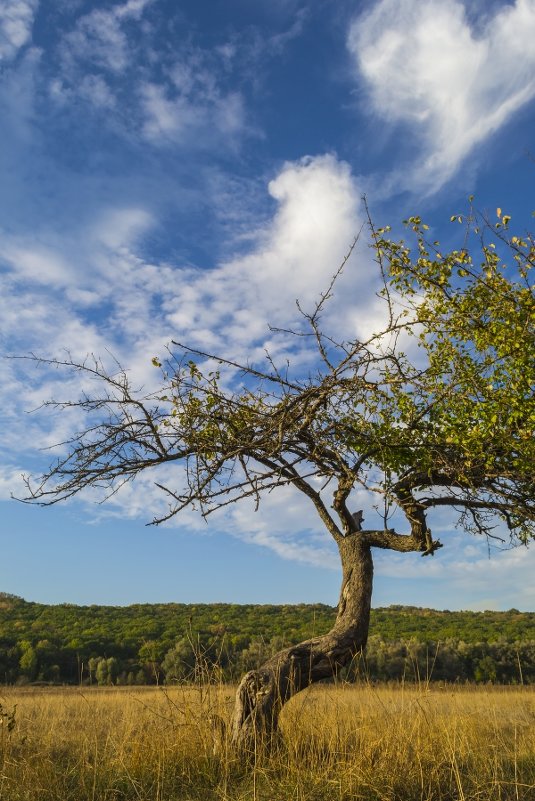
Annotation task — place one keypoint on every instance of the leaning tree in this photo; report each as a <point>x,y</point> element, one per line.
<point>436,409</point>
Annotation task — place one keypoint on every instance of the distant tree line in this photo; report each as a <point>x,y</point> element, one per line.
<point>170,643</point>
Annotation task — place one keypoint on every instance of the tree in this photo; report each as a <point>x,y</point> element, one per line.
<point>92,667</point>
<point>101,672</point>
<point>179,662</point>
<point>434,410</point>
<point>28,661</point>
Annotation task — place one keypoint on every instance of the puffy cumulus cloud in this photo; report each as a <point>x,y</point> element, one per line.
<point>425,65</point>
<point>293,257</point>
<point>317,219</point>
<point>230,306</point>
<point>16,21</point>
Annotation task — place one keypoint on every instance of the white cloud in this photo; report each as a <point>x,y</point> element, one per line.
<point>11,482</point>
<point>121,228</point>
<point>95,89</point>
<point>194,115</point>
<point>167,119</point>
<point>424,65</point>
<point>286,524</point>
<point>173,98</point>
<point>38,264</point>
<point>131,9</point>
<point>16,21</point>
<point>465,572</point>
<point>99,39</point>
<point>293,257</point>
<point>99,36</point>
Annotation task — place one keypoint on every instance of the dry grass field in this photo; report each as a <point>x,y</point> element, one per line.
<point>393,743</point>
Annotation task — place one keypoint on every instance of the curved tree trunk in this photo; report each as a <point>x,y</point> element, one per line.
<point>262,693</point>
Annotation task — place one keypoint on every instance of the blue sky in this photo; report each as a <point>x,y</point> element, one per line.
<point>187,170</point>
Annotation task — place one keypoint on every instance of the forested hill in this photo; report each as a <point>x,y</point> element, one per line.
<point>39,641</point>
<point>98,625</point>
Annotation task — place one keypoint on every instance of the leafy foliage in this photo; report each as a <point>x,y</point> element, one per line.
<point>466,421</point>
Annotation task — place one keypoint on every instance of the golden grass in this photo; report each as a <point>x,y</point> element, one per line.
<point>340,743</point>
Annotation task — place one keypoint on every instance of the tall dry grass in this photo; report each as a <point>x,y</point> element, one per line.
<point>340,743</point>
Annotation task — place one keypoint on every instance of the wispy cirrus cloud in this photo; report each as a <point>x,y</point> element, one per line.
<point>101,39</point>
<point>175,98</point>
<point>424,65</point>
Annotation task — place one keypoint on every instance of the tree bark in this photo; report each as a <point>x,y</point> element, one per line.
<point>263,692</point>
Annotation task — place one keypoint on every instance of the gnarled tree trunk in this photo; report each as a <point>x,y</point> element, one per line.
<point>262,693</point>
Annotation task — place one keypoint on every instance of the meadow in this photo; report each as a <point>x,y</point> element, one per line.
<point>393,743</point>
